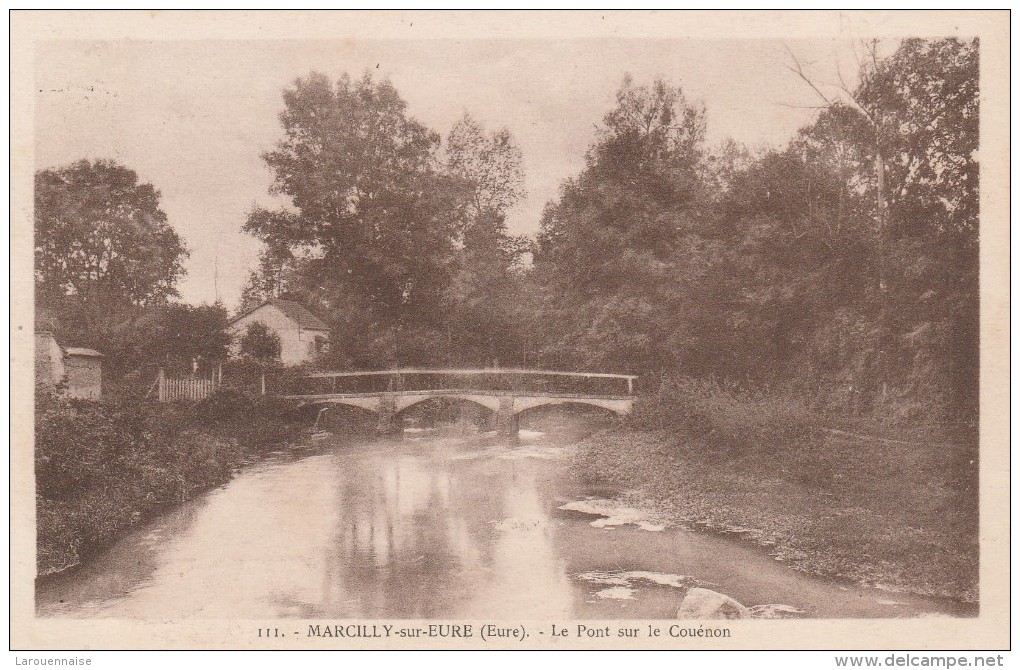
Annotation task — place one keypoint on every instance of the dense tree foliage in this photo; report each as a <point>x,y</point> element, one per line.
<point>844,263</point>
<point>900,153</point>
<point>371,210</point>
<point>926,97</point>
<point>489,167</point>
<point>610,249</point>
<point>403,244</point>
<point>485,291</point>
<point>183,333</point>
<point>107,261</point>
<point>173,336</point>
<point>100,234</point>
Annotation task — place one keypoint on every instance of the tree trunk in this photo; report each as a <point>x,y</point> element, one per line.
<point>883,294</point>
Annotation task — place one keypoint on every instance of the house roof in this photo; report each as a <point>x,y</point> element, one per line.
<point>81,351</point>
<point>294,310</point>
<point>70,351</point>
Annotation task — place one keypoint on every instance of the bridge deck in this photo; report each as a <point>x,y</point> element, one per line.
<point>484,381</point>
<point>475,371</point>
<point>441,392</point>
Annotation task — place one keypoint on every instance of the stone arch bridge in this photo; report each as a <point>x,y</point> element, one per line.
<point>507,393</point>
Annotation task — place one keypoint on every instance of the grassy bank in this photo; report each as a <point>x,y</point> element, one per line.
<point>103,467</point>
<point>867,502</point>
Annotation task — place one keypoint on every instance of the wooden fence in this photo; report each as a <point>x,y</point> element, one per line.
<point>184,389</point>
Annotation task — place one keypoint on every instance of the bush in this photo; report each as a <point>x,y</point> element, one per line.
<point>244,375</point>
<point>260,343</point>
<point>227,404</point>
<point>77,442</point>
<point>726,418</point>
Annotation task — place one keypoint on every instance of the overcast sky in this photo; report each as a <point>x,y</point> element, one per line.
<point>192,117</point>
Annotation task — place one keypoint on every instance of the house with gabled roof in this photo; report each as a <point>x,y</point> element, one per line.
<point>303,335</point>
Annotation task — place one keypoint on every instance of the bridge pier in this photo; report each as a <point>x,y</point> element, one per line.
<point>507,422</point>
<point>387,425</point>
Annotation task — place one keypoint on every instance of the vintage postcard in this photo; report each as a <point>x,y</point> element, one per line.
<point>509,330</point>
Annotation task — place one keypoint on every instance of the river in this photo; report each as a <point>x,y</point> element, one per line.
<point>433,526</point>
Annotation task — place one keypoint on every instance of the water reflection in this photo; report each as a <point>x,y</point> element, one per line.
<point>415,529</point>
<point>429,527</point>
<point>424,532</point>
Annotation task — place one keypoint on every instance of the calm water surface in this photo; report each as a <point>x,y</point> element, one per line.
<point>429,527</point>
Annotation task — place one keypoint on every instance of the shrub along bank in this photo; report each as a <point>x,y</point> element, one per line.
<point>101,467</point>
<point>853,499</point>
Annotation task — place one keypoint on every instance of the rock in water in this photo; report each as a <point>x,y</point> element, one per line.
<point>706,604</point>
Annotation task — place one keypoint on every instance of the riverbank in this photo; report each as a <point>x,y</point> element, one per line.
<point>102,467</point>
<point>879,513</point>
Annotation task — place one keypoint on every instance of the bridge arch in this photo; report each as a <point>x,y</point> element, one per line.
<point>489,402</point>
<point>368,404</point>
<point>619,406</point>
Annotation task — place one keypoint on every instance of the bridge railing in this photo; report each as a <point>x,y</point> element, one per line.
<point>509,380</point>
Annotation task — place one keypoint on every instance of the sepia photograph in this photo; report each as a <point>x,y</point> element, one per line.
<point>421,330</point>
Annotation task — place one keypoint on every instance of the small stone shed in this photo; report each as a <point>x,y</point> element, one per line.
<point>75,370</point>
<point>84,368</point>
